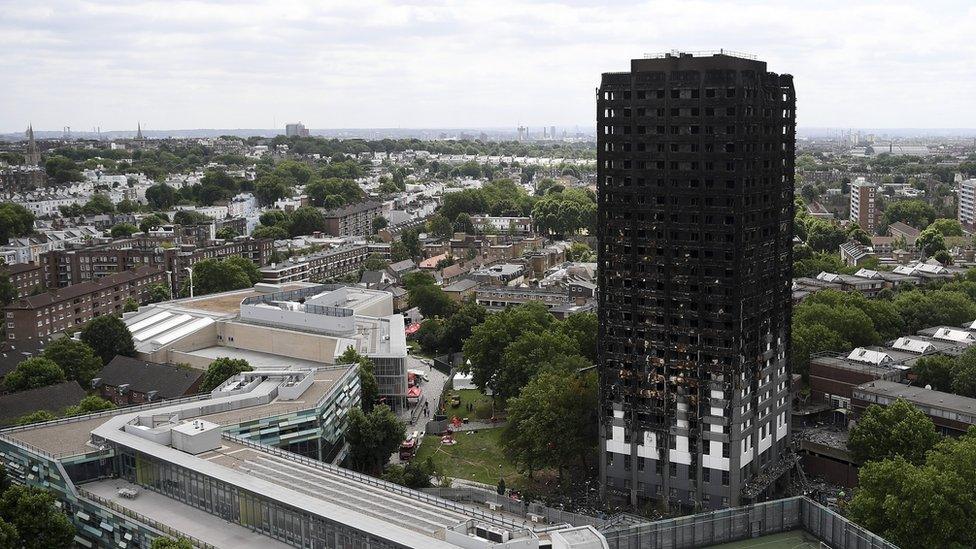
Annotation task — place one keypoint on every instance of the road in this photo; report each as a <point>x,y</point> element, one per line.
<point>413,416</point>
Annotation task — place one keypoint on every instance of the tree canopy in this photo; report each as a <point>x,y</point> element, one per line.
<point>916,213</point>
<point>220,370</point>
<point>108,336</point>
<point>552,421</point>
<point>898,429</point>
<point>563,213</point>
<point>33,373</point>
<point>15,221</point>
<point>75,358</point>
<point>233,273</point>
<point>34,518</point>
<point>372,437</point>
<point>368,388</point>
<point>928,504</point>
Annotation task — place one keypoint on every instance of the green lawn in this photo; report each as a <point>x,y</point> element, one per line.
<point>477,456</point>
<point>482,405</point>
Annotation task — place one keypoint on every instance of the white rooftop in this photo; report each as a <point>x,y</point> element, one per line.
<point>913,345</point>
<point>868,356</point>
<point>949,334</point>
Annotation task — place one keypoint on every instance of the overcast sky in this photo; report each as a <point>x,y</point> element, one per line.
<point>464,63</point>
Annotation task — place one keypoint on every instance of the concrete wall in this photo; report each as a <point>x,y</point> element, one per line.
<point>299,319</point>
<point>205,337</point>
<point>319,348</point>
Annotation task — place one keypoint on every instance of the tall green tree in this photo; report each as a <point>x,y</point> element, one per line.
<point>306,220</point>
<point>39,523</point>
<point>486,345</point>
<point>152,221</point>
<point>946,227</point>
<point>930,241</point>
<point>373,437</point>
<point>921,506</point>
<point>159,292</point>
<point>334,192</point>
<point>123,230</point>
<point>431,300</point>
<point>563,213</point>
<point>964,374</point>
<point>369,389</point>
<point>458,327</point>
<point>221,370</point>
<point>899,429</point>
<point>916,213</point>
<point>15,221</point>
<point>523,358</point>
<point>98,204</point>
<point>552,422</point>
<point>212,275</point>
<point>88,405</point>
<point>108,336</point>
<point>190,217</point>
<point>78,361</point>
<point>161,196</point>
<point>33,373</point>
<point>935,370</point>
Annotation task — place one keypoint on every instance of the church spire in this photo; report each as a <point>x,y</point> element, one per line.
<point>138,131</point>
<point>33,154</point>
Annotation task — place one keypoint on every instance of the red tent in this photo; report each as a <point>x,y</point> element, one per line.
<point>412,328</point>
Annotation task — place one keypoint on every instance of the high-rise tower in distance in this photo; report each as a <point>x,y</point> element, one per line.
<point>695,228</point>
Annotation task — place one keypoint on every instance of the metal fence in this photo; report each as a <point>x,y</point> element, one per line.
<point>741,523</point>
<point>548,515</point>
<point>140,518</point>
<point>417,495</point>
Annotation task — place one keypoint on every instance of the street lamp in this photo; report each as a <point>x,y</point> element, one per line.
<point>189,270</point>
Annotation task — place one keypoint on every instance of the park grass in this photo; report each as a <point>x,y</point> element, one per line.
<point>482,405</point>
<point>478,456</point>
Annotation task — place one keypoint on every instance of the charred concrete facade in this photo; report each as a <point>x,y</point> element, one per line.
<point>695,185</point>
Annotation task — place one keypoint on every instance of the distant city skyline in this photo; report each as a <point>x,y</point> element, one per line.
<point>384,64</point>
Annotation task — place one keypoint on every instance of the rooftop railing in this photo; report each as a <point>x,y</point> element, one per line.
<point>372,481</point>
<point>300,294</point>
<point>146,521</point>
<point>701,53</point>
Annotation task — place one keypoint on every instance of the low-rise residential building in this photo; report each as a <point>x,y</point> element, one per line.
<point>57,310</point>
<point>461,290</point>
<point>504,274</point>
<point>854,254</point>
<point>577,297</point>
<point>26,278</point>
<point>502,224</point>
<point>81,264</point>
<point>353,219</point>
<point>51,398</point>
<point>952,414</point>
<point>318,266</point>
<point>899,230</point>
<point>126,381</point>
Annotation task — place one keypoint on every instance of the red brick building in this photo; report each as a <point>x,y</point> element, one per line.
<point>25,277</point>
<point>37,316</point>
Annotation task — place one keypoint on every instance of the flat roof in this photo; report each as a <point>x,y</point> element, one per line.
<point>794,539</point>
<point>185,519</point>
<point>69,438</point>
<point>920,395</point>
<point>257,359</point>
<point>227,303</point>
